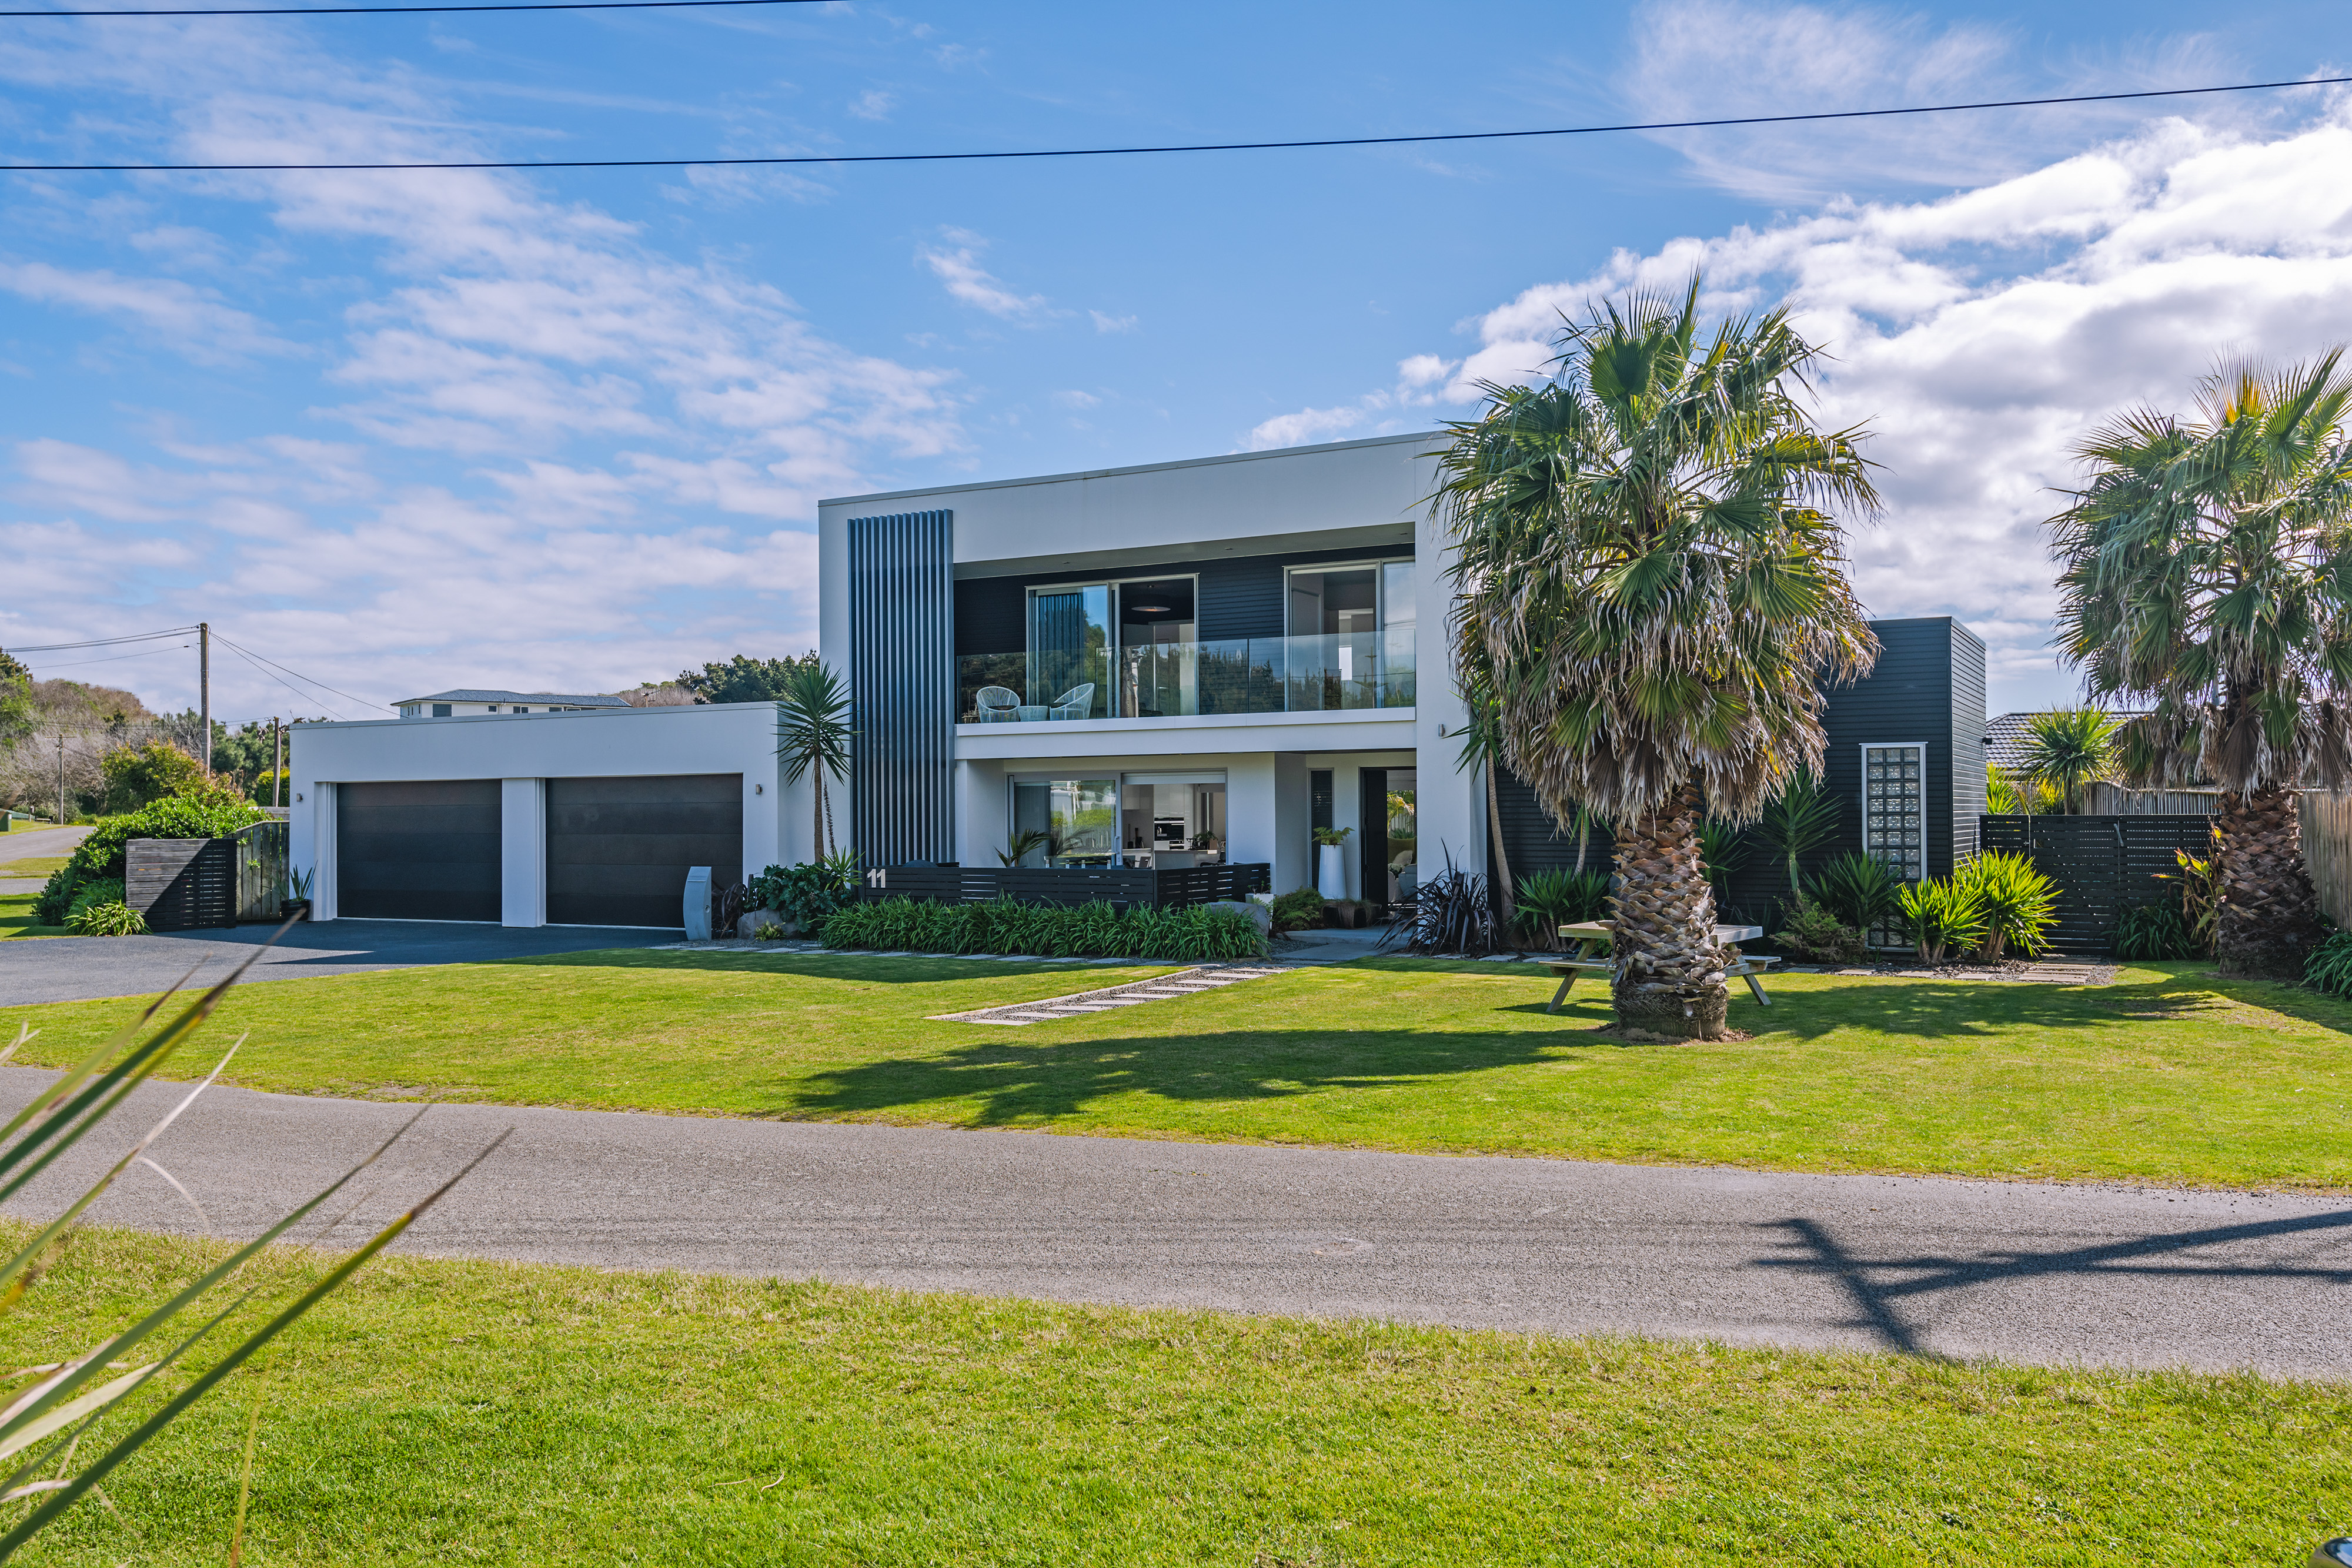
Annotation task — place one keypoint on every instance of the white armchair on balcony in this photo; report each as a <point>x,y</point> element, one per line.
<point>998,705</point>
<point>1076,703</point>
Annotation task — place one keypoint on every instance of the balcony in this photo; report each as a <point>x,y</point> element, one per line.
<point>1320,674</point>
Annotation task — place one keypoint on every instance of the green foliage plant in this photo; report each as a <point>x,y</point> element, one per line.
<point>111,917</point>
<point>42,1428</point>
<point>1938,916</point>
<point>1550,899</point>
<point>1006,926</point>
<point>2152,931</point>
<point>1332,838</point>
<point>1810,931</point>
<point>1023,846</point>
<point>743,679</point>
<point>813,738</point>
<point>2330,967</point>
<point>207,811</point>
<point>1722,849</point>
<point>1298,909</point>
<point>2068,748</point>
<point>2200,892</point>
<point>137,776</point>
<point>2206,581</point>
<point>1861,892</point>
<point>1799,818</point>
<point>1650,573</point>
<point>804,895</point>
<point>2009,796</point>
<point>2020,904</point>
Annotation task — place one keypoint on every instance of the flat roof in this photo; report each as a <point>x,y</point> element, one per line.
<point>1422,436</point>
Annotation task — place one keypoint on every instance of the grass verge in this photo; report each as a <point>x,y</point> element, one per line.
<point>446,1411</point>
<point>2167,1076</point>
<point>17,919</point>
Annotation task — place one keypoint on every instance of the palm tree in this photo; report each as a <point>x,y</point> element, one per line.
<point>1649,570</point>
<point>2207,577</point>
<point>1797,821</point>
<point>813,735</point>
<point>2067,749</point>
<point>1482,747</point>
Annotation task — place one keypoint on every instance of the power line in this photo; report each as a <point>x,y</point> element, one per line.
<point>1192,147</point>
<point>78,663</point>
<point>298,675</point>
<point>418,10</point>
<point>281,680</point>
<point>103,641</point>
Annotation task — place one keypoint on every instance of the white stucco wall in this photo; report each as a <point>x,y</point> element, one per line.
<point>522,751</point>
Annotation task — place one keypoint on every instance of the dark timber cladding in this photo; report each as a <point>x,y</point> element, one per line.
<point>618,849</point>
<point>424,849</point>
<point>1927,689</point>
<point>902,686</point>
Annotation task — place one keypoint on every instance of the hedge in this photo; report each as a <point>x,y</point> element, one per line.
<point>1096,930</point>
<point>202,813</point>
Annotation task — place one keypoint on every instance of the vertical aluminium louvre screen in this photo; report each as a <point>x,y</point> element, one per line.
<point>902,688</point>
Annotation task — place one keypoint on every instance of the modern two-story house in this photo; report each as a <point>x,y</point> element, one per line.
<point>1171,666</point>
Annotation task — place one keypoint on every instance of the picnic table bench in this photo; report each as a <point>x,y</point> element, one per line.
<point>1592,935</point>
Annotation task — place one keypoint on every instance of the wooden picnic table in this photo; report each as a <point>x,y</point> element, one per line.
<point>1592,935</point>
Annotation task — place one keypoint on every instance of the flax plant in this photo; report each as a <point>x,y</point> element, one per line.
<point>1650,569</point>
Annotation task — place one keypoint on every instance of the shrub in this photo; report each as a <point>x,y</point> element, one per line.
<point>1812,933</point>
<point>2152,931</point>
<point>137,775</point>
<point>1550,899</point>
<point>1298,909</point>
<point>1861,892</point>
<point>1452,913</point>
<point>2329,967</point>
<point>208,810</point>
<point>111,918</point>
<point>2020,902</point>
<point>1937,915</point>
<point>1005,926</point>
<point>2201,888</point>
<point>807,895</point>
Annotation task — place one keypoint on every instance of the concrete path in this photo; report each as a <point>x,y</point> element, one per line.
<point>83,968</point>
<point>1935,1268</point>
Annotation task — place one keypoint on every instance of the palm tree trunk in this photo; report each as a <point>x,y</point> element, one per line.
<point>1502,856</point>
<point>1670,971</point>
<point>821,837</point>
<point>2267,918</point>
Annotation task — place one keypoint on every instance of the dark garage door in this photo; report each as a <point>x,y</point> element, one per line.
<point>618,849</point>
<point>424,851</point>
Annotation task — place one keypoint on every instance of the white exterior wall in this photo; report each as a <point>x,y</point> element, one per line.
<point>1301,500</point>
<point>522,751</point>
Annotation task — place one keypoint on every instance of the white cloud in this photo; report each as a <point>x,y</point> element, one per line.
<point>1113,323</point>
<point>960,269</point>
<point>1980,336</point>
<point>191,319</point>
<point>873,104</point>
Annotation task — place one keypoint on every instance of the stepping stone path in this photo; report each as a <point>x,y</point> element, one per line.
<point>1183,983</point>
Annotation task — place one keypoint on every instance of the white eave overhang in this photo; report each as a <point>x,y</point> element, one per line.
<point>1345,729</point>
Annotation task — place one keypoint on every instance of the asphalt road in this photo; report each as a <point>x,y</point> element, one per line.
<point>2029,1273</point>
<point>84,968</point>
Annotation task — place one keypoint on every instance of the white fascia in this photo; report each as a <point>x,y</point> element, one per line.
<point>1365,729</point>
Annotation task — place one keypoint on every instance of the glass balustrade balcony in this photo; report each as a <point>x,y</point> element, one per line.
<point>1186,680</point>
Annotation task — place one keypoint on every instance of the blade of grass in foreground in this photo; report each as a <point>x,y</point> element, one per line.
<point>65,1497</point>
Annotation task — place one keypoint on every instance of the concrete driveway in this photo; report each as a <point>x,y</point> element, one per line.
<point>84,968</point>
<point>2027,1272</point>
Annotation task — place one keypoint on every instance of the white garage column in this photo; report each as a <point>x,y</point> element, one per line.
<point>322,850</point>
<point>983,812</point>
<point>522,851</point>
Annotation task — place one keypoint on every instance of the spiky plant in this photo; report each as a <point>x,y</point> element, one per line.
<point>812,736</point>
<point>2206,576</point>
<point>1649,575</point>
<point>2066,749</point>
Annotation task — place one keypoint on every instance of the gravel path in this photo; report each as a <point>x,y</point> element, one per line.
<point>2031,1273</point>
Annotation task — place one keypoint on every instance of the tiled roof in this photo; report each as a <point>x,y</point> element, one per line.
<point>2006,735</point>
<point>534,699</point>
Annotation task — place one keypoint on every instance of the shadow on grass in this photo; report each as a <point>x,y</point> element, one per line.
<point>860,967</point>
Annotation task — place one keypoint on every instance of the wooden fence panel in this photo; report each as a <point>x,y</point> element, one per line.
<point>2101,799</point>
<point>261,871</point>
<point>1071,886</point>
<point>182,884</point>
<point>2327,850</point>
<point>2104,866</point>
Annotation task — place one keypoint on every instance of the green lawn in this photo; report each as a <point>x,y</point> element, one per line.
<point>16,919</point>
<point>445,1412</point>
<point>40,865</point>
<point>2167,1076</point>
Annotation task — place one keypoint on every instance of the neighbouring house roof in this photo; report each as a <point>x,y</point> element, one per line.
<point>473,694</point>
<point>2005,738</point>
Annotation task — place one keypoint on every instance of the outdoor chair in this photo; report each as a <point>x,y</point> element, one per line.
<point>998,705</point>
<point>1076,703</point>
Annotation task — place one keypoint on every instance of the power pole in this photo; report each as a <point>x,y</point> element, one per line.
<point>205,684</point>
<point>61,779</point>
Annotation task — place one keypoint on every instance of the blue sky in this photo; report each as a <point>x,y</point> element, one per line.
<point>403,431</point>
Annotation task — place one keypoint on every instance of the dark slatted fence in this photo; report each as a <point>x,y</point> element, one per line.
<point>1077,884</point>
<point>182,884</point>
<point>2104,866</point>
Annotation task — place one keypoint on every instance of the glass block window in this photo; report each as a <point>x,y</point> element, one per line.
<point>1893,808</point>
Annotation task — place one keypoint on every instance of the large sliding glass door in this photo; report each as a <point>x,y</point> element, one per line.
<point>1113,650</point>
<point>1350,644</point>
<point>1070,651</point>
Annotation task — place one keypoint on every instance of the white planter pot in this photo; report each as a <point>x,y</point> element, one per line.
<point>1331,872</point>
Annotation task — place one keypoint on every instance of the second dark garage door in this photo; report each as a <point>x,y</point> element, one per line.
<point>427,850</point>
<point>618,849</point>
